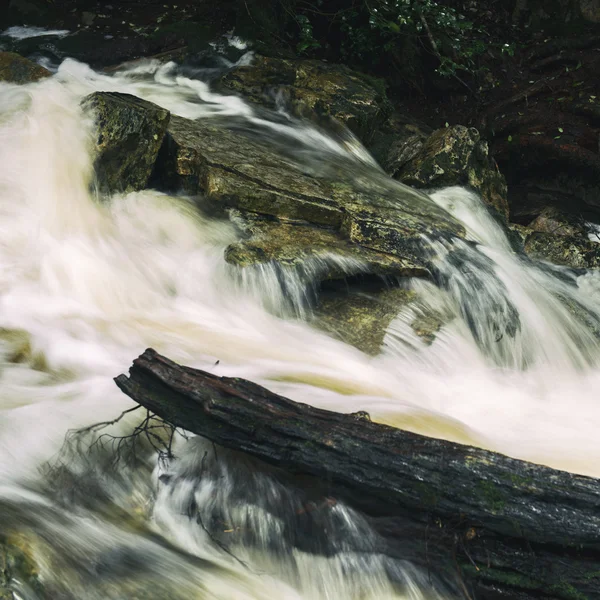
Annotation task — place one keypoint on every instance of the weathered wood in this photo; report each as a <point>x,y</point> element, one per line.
<point>508,528</point>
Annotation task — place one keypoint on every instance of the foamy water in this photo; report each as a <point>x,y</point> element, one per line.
<point>87,283</point>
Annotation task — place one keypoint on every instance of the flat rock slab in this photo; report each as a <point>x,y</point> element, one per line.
<point>322,250</point>
<point>130,134</point>
<point>202,157</point>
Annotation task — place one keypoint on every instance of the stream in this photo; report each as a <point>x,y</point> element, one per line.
<point>88,283</point>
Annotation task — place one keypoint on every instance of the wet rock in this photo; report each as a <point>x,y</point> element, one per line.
<point>456,156</point>
<point>32,12</point>
<point>552,220</point>
<point>563,250</point>
<point>314,86</point>
<point>130,134</point>
<point>87,18</point>
<point>237,171</point>
<point>16,69</point>
<point>361,319</point>
<point>426,325</point>
<point>15,345</point>
<point>317,249</point>
<point>590,10</point>
<point>398,141</point>
<point>17,567</point>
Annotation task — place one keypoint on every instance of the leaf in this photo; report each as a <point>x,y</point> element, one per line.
<point>509,138</point>
<point>561,130</point>
<point>557,137</point>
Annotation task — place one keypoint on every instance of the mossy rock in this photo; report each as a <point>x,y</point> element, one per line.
<point>362,318</point>
<point>16,69</point>
<point>313,87</point>
<point>457,156</point>
<point>299,245</point>
<point>236,171</point>
<point>568,251</point>
<point>17,566</point>
<point>551,220</point>
<point>130,132</point>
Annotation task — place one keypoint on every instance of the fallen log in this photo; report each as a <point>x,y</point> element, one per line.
<point>504,528</point>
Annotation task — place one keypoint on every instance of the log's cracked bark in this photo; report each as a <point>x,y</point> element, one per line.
<point>509,528</point>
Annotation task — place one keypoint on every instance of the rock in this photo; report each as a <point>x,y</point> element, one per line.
<point>16,69</point>
<point>522,232</point>
<point>31,12</point>
<point>398,141</point>
<point>237,171</point>
<point>361,319</point>
<point>325,89</point>
<point>563,250</point>
<point>590,10</point>
<point>87,18</point>
<point>17,565</point>
<point>130,134</point>
<point>551,220</point>
<point>15,345</point>
<point>426,325</point>
<point>457,156</point>
<point>318,249</point>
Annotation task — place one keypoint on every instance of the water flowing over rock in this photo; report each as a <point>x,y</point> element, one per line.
<point>325,89</point>
<point>452,156</point>
<point>361,318</point>
<point>16,69</point>
<point>130,134</point>
<point>237,171</point>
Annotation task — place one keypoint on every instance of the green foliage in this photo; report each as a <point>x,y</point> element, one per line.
<point>372,29</point>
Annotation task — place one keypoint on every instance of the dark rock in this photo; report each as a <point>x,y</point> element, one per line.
<point>17,567</point>
<point>130,134</point>
<point>314,86</point>
<point>32,12</point>
<point>361,319</point>
<point>590,10</point>
<point>552,220</point>
<point>240,172</point>
<point>303,246</point>
<point>16,69</point>
<point>563,250</point>
<point>455,156</point>
<point>398,141</point>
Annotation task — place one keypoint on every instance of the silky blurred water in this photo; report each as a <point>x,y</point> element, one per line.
<point>87,283</point>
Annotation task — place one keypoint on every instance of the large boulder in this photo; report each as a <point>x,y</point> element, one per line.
<point>234,170</point>
<point>326,89</point>
<point>552,220</point>
<point>16,69</point>
<point>452,156</point>
<point>319,251</point>
<point>568,251</point>
<point>130,132</point>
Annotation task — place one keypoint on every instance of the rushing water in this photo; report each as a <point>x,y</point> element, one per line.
<point>87,283</point>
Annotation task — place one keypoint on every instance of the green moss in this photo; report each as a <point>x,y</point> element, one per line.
<point>494,498</point>
<point>511,578</point>
<point>567,591</point>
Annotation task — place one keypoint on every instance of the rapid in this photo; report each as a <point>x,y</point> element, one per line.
<point>88,282</point>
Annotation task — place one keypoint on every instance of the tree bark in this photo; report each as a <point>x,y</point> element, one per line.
<point>503,527</point>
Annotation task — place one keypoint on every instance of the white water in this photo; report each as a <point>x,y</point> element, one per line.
<point>88,284</point>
